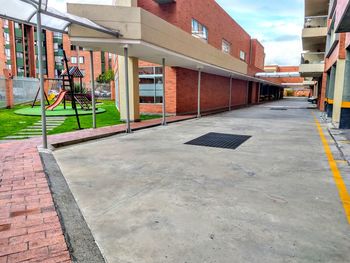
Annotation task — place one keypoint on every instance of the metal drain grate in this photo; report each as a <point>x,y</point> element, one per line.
<point>278,108</point>
<point>219,140</point>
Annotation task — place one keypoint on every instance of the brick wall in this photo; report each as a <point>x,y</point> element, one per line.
<point>285,69</point>
<point>257,58</point>
<point>50,56</point>
<point>214,92</point>
<point>220,25</point>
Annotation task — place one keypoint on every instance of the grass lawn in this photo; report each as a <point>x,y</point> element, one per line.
<point>11,123</point>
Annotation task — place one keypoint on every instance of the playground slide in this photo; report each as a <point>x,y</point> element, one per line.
<point>60,97</point>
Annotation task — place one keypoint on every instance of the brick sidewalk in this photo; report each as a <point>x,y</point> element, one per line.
<point>30,230</point>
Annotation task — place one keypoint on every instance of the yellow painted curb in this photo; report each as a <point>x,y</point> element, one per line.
<point>343,192</point>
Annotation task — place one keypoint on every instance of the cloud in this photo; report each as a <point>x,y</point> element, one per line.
<point>62,4</point>
<point>276,23</point>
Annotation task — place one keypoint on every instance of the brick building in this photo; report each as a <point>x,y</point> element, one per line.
<point>210,24</point>
<point>326,27</point>
<point>18,53</point>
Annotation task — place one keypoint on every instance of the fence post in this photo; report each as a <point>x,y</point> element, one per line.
<point>112,84</point>
<point>8,88</point>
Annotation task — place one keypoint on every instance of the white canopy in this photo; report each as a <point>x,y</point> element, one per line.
<point>25,11</point>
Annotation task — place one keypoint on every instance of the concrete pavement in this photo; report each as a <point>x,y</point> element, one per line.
<point>148,197</point>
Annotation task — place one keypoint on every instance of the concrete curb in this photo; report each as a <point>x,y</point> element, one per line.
<point>341,141</point>
<point>112,133</point>
<point>80,241</point>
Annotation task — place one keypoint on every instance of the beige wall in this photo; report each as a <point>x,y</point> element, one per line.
<point>134,100</point>
<point>338,91</point>
<point>137,24</point>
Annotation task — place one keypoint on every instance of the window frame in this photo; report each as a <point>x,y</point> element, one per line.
<point>155,74</point>
<point>242,55</point>
<point>228,44</point>
<point>201,31</point>
<point>75,59</point>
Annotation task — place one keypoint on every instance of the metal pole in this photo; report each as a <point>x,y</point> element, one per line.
<point>128,128</point>
<point>164,102</point>
<point>230,98</point>
<point>41,75</point>
<point>199,93</point>
<point>247,94</point>
<point>92,77</point>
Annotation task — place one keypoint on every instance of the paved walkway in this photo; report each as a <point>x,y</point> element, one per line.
<point>30,230</point>
<point>149,197</point>
<point>35,129</point>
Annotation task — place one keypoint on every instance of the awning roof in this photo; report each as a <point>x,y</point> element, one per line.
<point>24,11</point>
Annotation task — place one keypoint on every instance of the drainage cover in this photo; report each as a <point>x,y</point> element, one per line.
<point>220,140</point>
<point>278,108</point>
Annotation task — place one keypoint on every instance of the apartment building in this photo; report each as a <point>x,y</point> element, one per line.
<point>18,52</point>
<point>314,38</point>
<point>337,67</point>
<point>215,37</point>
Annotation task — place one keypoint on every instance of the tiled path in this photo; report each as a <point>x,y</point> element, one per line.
<point>30,230</point>
<point>35,129</point>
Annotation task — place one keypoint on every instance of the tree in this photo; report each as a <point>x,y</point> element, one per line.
<point>106,77</point>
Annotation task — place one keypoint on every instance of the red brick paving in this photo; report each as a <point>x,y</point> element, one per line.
<point>30,230</point>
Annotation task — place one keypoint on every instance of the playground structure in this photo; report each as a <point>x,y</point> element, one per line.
<point>68,91</point>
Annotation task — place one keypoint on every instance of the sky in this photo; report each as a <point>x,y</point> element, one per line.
<point>276,23</point>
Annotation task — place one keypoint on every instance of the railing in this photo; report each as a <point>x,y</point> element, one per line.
<point>2,92</point>
<point>315,21</point>
<point>24,89</point>
<point>102,90</point>
<point>313,58</point>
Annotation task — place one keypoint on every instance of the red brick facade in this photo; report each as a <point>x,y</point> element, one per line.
<point>221,26</point>
<point>181,89</point>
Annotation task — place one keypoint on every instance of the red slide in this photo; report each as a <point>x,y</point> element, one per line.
<point>58,101</point>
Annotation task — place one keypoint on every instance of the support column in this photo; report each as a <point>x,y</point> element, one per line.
<point>92,77</point>
<point>330,91</point>
<point>128,87</point>
<point>164,97</point>
<point>345,106</point>
<point>41,76</point>
<point>199,93</point>
<point>338,91</point>
<point>230,95</point>
<point>8,88</point>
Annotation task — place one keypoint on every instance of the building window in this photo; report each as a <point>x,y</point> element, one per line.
<point>6,23</point>
<point>242,55</point>
<point>74,60</point>
<point>151,84</point>
<point>74,47</point>
<point>199,30</point>
<point>57,35</point>
<point>55,46</point>
<point>226,46</point>
<point>8,54</point>
<point>7,38</point>
<point>81,60</point>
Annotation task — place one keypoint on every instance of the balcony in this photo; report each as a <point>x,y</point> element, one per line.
<point>316,7</point>
<point>312,64</point>
<point>315,26</point>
